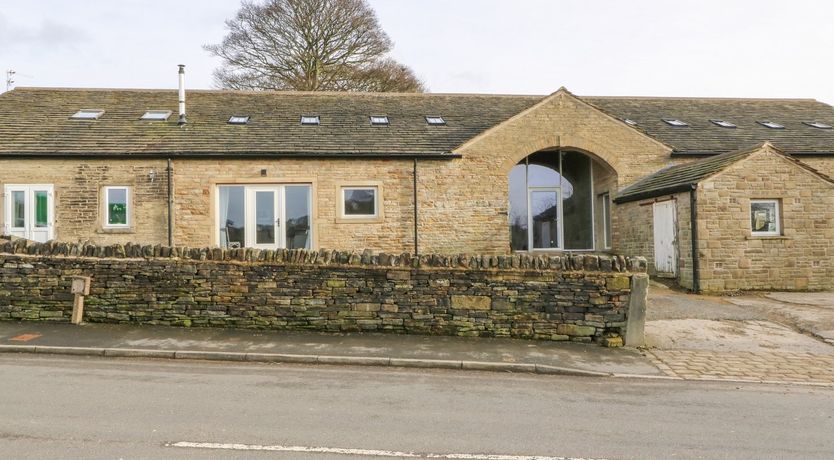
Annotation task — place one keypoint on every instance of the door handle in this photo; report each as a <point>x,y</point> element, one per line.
<point>278,221</point>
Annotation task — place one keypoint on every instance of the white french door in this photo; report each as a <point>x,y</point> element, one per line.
<point>29,212</point>
<point>264,216</point>
<point>263,222</point>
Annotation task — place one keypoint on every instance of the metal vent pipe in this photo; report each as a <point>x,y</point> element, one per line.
<point>181,120</point>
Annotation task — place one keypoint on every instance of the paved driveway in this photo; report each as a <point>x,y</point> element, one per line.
<point>775,337</point>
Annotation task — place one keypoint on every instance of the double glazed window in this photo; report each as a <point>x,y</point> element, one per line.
<point>264,216</point>
<point>551,202</point>
<point>764,218</point>
<point>116,206</point>
<point>360,202</point>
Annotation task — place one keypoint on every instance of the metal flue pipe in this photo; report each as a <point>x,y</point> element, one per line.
<point>181,120</point>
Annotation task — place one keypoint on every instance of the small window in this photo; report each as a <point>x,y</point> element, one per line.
<point>156,115</point>
<point>630,122</point>
<point>605,201</point>
<point>239,119</point>
<point>723,123</point>
<point>87,114</point>
<point>360,202</point>
<point>675,122</point>
<point>435,120</point>
<point>817,124</point>
<point>116,206</point>
<point>771,124</point>
<point>379,120</point>
<point>310,120</point>
<point>764,217</point>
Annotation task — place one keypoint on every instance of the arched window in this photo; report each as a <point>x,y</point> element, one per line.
<point>551,202</point>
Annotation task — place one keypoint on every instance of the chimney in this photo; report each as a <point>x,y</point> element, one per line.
<point>181,120</point>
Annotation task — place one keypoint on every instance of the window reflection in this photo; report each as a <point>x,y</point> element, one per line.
<point>556,188</point>
<point>298,216</point>
<point>232,212</point>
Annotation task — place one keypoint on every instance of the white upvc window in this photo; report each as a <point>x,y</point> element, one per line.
<point>765,217</point>
<point>116,207</point>
<point>360,202</point>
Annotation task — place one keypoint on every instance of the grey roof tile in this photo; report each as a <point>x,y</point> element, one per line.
<point>682,177</point>
<point>704,137</point>
<point>37,120</point>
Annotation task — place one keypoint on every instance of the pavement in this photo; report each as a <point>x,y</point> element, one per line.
<point>503,355</point>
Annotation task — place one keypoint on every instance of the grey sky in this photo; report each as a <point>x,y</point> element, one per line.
<point>738,48</point>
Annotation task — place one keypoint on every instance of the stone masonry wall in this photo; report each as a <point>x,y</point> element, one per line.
<point>801,258</point>
<point>78,186</point>
<point>579,297</point>
<point>639,239</point>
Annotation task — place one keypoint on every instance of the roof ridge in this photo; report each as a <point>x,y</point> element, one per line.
<point>254,92</point>
<point>704,98</point>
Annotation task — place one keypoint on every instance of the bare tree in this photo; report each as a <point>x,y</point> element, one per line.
<point>309,45</point>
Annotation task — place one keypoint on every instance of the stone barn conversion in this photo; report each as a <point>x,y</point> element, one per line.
<point>719,194</point>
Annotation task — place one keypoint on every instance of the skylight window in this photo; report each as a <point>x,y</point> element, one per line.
<point>817,124</point>
<point>771,124</point>
<point>379,120</point>
<point>239,119</point>
<point>87,114</point>
<point>156,115</point>
<point>675,122</point>
<point>310,120</point>
<point>435,120</point>
<point>723,123</point>
<point>630,122</point>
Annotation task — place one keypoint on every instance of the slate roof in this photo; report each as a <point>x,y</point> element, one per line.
<point>37,120</point>
<point>703,137</point>
<point>683,177</point>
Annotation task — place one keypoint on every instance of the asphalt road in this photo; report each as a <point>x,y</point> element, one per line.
<point>66,407</point>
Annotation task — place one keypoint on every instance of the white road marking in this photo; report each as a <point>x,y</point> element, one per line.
<point>366,452</point>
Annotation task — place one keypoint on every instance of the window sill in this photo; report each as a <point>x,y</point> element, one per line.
<point>768,237</point>
<point>115,230</point>
<point>359,220</point>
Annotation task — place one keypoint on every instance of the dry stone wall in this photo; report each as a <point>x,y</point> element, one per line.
<point>578,297</point>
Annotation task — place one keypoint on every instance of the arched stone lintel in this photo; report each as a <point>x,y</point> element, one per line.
<point>600,153</point>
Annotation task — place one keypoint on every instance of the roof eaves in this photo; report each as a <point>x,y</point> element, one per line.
<point>677,188</point>
<point>206,154</point>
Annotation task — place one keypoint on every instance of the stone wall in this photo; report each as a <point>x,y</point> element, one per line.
<point>579,297</point>
<point>78,187</point>
<point>801,258</point>
<point>639,239</point>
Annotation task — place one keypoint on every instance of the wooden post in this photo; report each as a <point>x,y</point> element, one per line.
<point>80,287</point>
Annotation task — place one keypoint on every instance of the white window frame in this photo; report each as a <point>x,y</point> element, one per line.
<point>778,231</point>
<point>156,115</point>
<point>365,217</point>
<point>249,190</point>
<point>29,229</point>
<point>106,195</point>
